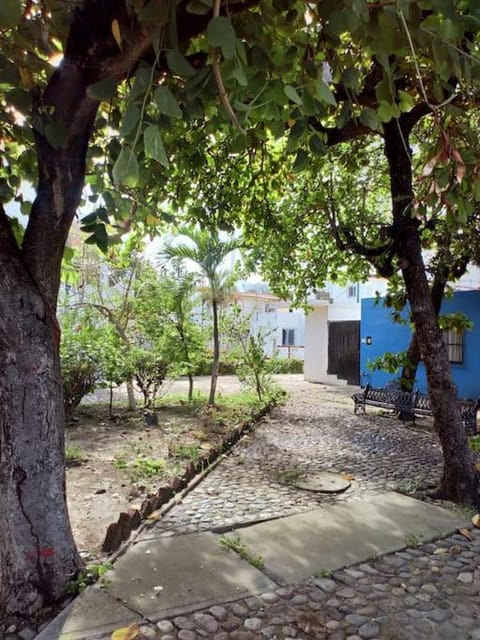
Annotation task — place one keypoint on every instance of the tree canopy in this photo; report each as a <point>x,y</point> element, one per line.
<point>131,97</point>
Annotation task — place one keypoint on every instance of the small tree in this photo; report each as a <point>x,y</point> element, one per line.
<point>246,351</point>
<point>165,309</point>
<point>208,251</point>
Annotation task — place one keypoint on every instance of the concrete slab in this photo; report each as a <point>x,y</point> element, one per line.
<point>299,546</point>
<point>169,576</point>
<point>93,612</point>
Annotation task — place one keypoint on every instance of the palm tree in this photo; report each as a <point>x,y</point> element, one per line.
<point>208,251</point>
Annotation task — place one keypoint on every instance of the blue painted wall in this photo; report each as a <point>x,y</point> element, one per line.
<point>389,336</point>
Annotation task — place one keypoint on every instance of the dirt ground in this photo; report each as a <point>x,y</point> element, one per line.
<point>115,463</point>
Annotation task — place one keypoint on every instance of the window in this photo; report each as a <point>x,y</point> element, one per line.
<point>288,337</point>
<point>453,341</point>
<point>352,291</point>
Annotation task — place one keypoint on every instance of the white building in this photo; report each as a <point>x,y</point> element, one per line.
<point>332,331</point>
<point>285,326</point>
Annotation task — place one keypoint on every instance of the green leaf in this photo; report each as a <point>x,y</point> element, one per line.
<point>199,7</point>
<point>301,161</point>
<point>406,100</point>
<point>239,74</point>
<point>130,120</point>
<point>324,93</point>
<point>141,82</point>
<point>292,94</point>
<point>179,65</point>
<point>99,237</point>
<point>351,78</point>
<point>10,13</point>
<point>384,111</point>
<point>369,119</point>
<point>154,147</point>
<point>125,169</point>
<point>317,145</point>
<point>103,89</point>
<point>154,11</point>
<point>167,103</point>
<point>221,34</point>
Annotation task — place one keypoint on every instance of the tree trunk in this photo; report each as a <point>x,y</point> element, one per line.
<point>437,292</point>
<point>216,353</point>
<point>459,481</point>
<point>37,550</point>
<point>186,355</point>
<point>190,387</point>
<point>132,403</point>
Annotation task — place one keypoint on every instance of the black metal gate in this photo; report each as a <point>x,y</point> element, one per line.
<point>344,350</point>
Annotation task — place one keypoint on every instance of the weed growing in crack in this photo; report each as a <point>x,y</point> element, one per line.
<point>236,544</point>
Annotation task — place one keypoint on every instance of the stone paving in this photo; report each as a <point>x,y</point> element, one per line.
<point>427,591</point>
<point>315,431</point>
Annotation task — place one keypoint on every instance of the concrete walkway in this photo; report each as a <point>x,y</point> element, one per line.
<point>364,566</point>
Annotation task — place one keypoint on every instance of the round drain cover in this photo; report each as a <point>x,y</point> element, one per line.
<point>323,482</point>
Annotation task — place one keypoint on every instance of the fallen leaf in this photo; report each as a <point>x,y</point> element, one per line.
<point>116,33</point>
<point>440,551</point>
<point>126,633</point>
<point>154,517</point>
<point>310,622</point>
<point>477,466</point>
<point>348,476</point>
<point>466,534</point>
<point>476,520</point>
<point>455,549</point>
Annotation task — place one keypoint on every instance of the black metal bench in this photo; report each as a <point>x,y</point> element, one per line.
<point>389,397</point>
<point>410,404</point>
<point>468,410</point>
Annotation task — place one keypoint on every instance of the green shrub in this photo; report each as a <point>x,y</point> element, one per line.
<point>285,365</point>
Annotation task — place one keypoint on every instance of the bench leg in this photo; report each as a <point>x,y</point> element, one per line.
<point>359,408</point>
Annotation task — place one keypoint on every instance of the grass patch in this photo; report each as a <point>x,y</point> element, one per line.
<point>190,451</point>
<point>89,575</point>
<point>474,443</point>
<point>73,453</point>
<point>142,467</point>
<point>413,541</point>
<point>323,573</point>
<point>236,544</point>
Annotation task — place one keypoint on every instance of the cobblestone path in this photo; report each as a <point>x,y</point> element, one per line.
<point>427,591</point>
<point>314,431</point>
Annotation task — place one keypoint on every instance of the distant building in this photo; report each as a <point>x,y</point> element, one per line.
<point>285,327</point>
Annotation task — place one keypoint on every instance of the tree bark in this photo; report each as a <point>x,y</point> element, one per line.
<point>132,403</point>
<point>409,371</point>
<point>216,353</point>
<point>37,550</point>
<point>459,480</point>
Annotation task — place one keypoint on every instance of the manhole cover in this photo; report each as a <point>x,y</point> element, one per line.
<point>322,482</point>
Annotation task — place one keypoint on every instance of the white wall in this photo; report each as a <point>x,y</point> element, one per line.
<point>290,320</point>
<point>316,344</point>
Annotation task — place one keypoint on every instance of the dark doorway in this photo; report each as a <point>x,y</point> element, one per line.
<point>344,350</point>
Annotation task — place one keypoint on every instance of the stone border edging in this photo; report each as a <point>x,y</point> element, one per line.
<point>167,495</point>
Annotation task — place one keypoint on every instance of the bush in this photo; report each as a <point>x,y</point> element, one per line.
<point>80,362</point>
<point>204,368</point>
<point>149,371</point>
<point>285,365</point>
